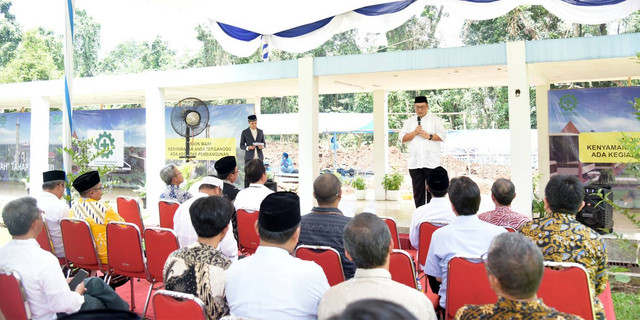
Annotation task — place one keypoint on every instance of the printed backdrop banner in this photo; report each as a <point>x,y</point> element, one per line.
<point>15,131</point>
<point>111,140</point>
<point>201,148</point>
<point>585,128</point>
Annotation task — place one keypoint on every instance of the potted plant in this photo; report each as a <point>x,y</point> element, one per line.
<point>392,183</point>
<point>360,186</point>
<point>142,193</point>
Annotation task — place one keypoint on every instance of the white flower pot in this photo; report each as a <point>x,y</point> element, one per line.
<point>361,194</point>
<point>393,195</point>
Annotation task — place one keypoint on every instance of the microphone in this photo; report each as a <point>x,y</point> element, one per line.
<point>419,120</point>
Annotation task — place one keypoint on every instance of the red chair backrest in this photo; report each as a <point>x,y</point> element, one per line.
<point>44,239</point>
<point>567,289</point>
<point>426,231</point>
<point>509,229</point>
<point>393,228</point>
<point>167,210</point>
<point>326,257</point>
<point>159,244</point>
<point>467,283</point>
<point>248,238</point>
<point>402,268</point>
<point>13,301</point>
<point>79,247</point>
<point>124,250</point>
<point>129,210</point>
<point>169,305</point>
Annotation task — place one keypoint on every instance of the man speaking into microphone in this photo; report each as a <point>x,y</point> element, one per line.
<point>424,133</point>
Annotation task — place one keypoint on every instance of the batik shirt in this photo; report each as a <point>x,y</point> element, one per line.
<point>199,269</point>
<point>504,217</point>
<point>563,239</point>
<point>97,214</point>
<point>509,309</point>
<point>173,193</point>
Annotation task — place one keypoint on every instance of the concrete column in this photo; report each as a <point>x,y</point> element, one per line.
<point>155,141</point>
<point>542,105</point>
<point>308,135</point>
<point>519,126</point>
<point>257,105</point>
<point>39,143</point>
<point>380,141</point>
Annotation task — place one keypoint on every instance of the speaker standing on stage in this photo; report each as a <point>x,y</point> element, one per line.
<point>252,142</point>
<point>424,133</point>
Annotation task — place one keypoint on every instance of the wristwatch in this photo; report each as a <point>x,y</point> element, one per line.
<point>430,136</point>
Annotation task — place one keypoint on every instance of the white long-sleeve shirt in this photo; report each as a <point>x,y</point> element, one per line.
<point>424,153</point>
<point>54,210</point>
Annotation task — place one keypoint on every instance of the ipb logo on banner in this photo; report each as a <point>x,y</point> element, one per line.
<point>113,140</point>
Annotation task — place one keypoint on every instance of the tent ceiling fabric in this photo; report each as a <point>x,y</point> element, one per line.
<point>241,27</point>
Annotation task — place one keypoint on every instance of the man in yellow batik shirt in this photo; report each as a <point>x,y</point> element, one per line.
<point>90,209</point>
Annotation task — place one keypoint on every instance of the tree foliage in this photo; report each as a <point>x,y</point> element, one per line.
<point>10,33</point>
<point>33,60</point>
<point>135,56</point>
<point>86,44</point>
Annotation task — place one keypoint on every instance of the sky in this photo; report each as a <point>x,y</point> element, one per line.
<point>143,20</point>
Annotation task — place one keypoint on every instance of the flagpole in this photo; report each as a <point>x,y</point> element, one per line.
<point>67,111</point>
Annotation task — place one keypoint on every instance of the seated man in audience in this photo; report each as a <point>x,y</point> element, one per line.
<point>54,208</point>
<point>172,176</point>
<point>438,210</point>
<point>250,198</point>
<point>183,222</point>
<point>514,266</point>
<point>467,235</point>
<point>374,309</point>
<point>367,242</point>
<point>96,213</point>
<point>324,225</point>
<point>199,269</point>
<point>563,239</point>
<point>502,193</point>
<point>271,284</point>
<point>45,287</point>
<point>227,169</point>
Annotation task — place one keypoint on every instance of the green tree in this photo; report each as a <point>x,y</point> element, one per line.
<point>33,61</point>
<point>86,44</point>
<point>134,57</point>
<point>10,33</point>
<point>417,32</point>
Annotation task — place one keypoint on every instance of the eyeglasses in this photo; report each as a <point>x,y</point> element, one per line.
<point>485,260</point>
<point>100,189</point>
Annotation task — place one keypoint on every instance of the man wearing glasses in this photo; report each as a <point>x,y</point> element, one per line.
<point>172,177</point>
<point>96,213</point>
<point>424,133</point>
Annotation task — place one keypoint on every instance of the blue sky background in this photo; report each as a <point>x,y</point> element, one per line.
<point>598,110</point>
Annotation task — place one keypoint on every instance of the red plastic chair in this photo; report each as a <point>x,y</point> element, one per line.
<point>79,246</point>
<point>326,257</point>
<point>402,268</point>
<point>566,287</point>
<point>426,231</point>
<point>125,255</point>
<point>170,305</point>
<point>467,283</point>
<point>159,244</point>
<point>44,240</point>
<point>509,229</point>
<point>393,228</point>
<point>13,301</point>
<point>167,210</point>
<point>607,300</point>
<point>248,238</point>
<point>129,210</point>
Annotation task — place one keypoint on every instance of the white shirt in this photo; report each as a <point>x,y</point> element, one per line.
<point>271,284</point>
<point>438,210</point>
<point>374,284</point>
<point>254,133</point>
<point>251,197</point>
<point>187,233</point>
<point>54,211</point>
<point>424,153</point>
<point>467,236</point>
<point>46,289</point>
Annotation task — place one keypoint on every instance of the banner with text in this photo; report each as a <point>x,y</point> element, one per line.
<point>201,148</point>
<point>606,147</point>
<point>111,140</point>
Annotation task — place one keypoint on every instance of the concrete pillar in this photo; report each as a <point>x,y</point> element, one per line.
<point>380,141</point>
<point>155,141</point>
<point>519,126</point>
<point>39,143</point>
<point>256,101</point>
<point>308,135</point>
<point>542,105</point>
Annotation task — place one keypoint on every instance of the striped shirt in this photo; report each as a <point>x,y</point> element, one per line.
<point>504,217</point>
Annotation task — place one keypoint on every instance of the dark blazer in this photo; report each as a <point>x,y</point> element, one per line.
<point>246,139</point>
